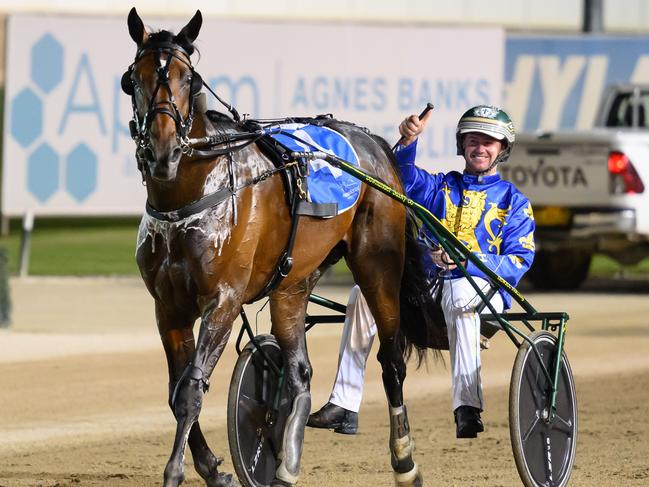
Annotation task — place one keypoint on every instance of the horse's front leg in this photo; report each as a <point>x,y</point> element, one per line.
<point>187,396</point>
<point>402,446</point>
<point>179,348</point>
<point>288,311</point>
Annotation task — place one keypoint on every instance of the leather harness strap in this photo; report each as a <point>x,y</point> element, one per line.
<point>209,201</point>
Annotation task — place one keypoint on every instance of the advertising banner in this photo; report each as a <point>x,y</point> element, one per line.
<point>557,82</point>
<point>67,149</point>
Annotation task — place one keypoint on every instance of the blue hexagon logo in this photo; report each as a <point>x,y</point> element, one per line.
<point>81,172</point>
<point>47,63</point>
<point>43,172</point>
<point>26,117</point>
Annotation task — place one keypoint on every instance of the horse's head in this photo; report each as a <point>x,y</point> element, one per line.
<point>162,84</point>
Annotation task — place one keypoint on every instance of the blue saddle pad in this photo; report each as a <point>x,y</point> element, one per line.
<point>327,184</point>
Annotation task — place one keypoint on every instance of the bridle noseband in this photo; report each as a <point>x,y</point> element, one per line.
<point>140,128</point>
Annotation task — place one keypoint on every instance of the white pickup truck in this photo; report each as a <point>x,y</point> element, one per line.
<point>587,189</point>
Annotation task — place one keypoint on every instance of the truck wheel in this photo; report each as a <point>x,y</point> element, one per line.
<point>563,269</point>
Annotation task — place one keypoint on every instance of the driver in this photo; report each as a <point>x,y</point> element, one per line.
<point>492,218</point>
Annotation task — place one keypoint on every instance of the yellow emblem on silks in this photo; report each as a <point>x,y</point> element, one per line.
<point>451,210</point>
<point>528,211</point>
<point>498,214</point>
<point>463,220</point>
<point>527,242</point>
<point>516,260</point>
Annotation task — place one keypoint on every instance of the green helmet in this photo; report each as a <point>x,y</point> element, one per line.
<point>488,120</point>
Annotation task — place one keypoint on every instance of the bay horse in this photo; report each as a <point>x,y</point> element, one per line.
<point>205,262</point>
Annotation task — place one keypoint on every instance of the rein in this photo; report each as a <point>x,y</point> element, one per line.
<point>243,139</point>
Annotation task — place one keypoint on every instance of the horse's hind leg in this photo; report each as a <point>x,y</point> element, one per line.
<point>187,396</point>
<point>381,301</point>
<point>380,287</point>
<point>288,311</point>
<point>179,348</point>
<point>402,446</point>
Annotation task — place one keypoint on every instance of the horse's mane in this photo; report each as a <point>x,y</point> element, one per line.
<point>164,37</point>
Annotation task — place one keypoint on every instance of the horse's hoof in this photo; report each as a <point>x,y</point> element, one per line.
<point>280,483</point>
<point>409,479</point>
<point>221,480</point>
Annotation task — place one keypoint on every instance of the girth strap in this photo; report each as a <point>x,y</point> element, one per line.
<point>208,201</point>
<point>204,203</point>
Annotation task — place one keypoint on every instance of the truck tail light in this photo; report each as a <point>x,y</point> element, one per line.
<point>624,178</point>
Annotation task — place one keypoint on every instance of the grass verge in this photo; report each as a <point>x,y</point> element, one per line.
<point>77,247</point>
<point>106,246</point>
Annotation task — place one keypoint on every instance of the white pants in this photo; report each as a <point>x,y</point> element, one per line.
<point>459,300</point>
<point>355,345</point>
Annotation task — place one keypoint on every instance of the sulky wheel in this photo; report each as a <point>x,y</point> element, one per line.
<point>544,447</point>
<point>255,425</point>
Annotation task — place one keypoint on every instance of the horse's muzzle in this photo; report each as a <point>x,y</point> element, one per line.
<point>164,165</point>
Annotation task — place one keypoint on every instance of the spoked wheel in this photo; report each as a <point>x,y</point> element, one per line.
<point>255,424</point>
<point>544,447</point>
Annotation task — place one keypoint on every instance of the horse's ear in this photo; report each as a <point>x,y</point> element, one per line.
<point>136,27</point>
<point>193,27</point>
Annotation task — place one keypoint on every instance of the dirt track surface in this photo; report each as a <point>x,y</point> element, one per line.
<point>84,389</point>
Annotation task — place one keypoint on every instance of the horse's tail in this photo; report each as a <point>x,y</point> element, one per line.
<point>422,320</point>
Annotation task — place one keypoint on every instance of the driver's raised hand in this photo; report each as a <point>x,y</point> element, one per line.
<point>411,127</point>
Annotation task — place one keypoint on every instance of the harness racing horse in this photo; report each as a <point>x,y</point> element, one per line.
<point>205,260</point>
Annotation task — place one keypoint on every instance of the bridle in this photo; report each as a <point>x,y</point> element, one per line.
<point>140,128</point>
<point>206,147</point>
